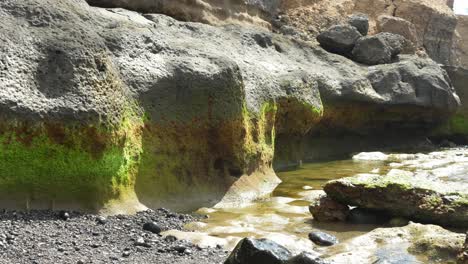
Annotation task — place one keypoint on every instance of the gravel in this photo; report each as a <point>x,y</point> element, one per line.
<point>49,237</point>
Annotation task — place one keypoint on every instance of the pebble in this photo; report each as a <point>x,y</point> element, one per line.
<point>152,227</point>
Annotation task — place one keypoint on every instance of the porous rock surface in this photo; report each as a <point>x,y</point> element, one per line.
<point>110,108</point>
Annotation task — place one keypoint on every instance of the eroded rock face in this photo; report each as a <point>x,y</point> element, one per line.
<point>434,193</point>
<point>414,243</point>
<point>253,12</point>
<point>122,111</point>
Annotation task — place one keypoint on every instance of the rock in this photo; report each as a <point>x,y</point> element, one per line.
<point>463,256</point>
<point>414,243</point>
<point>322,239</point>
<point>328,210</point>
<point>257,12</point>
<point>339,39</point>
<point>99,86</point>
<point>442,201</point>
<point>370,156</point>
<point>306,258</point>
<point>360,22</point>
<point>447,144</point>
<point>254,251</point>
<point>402,27</point>
<point>64,215</point>
<point>170,238</point>
<point>369,217</point>
<point>142,243</point>
<point>152,227</point>
<point>101,220</point>
<point>378,49</point>
<point>462,29</point>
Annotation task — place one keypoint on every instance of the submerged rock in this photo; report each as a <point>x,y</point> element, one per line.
<point>255,251</point>
<point>378,49</point>
<point>326,209</point>
<point>339,39</point>
<point>322,238</point>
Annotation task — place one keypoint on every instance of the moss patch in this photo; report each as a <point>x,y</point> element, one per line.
<point>82,165</point>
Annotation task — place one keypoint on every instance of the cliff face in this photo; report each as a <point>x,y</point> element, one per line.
<point>462,29</point>
<point>108,108</point>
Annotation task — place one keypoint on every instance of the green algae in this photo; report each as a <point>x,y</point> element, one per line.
<point>86,166</point>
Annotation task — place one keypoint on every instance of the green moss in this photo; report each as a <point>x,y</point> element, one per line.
<point>74,164</point>
<point>459,124</point>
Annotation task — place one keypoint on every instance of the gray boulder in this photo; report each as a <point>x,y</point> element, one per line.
<point>339,39</point>
<point>254,251</point>
<point>378,49</point>
<point>360,22</point>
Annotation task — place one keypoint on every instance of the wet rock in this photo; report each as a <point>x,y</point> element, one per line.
<point>414,243</point>
<point>328,210</point>
<point>370,156</point>
<point>322,239</point>
<point>360,22</point>
<point>306,258</point>
<point>339,39</point>
<point>152,227</point>
<point>442,200</point>
<point>378,49</point>
<point>254,251</point>
<point>369,217</point>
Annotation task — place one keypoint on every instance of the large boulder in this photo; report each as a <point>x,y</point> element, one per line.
<point>378,49</point>
<point>326,209</point>
<point>339,39</point>
<point>254,251</point>
<point>429,188</point>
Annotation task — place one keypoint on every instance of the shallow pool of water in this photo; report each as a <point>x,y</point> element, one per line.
<point>284,217</point>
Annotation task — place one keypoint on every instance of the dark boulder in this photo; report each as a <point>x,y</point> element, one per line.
<point>322,239</point>
<point>306,258</point>
<point>256,251</point>
<point>360,22</point>
<point>378,49</point>
<point>339,39</point>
